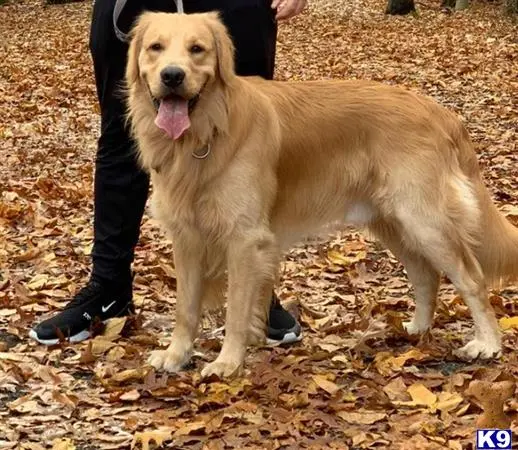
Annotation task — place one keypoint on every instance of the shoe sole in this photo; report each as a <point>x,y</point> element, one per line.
<point>74,339</point>
<point>288,338</point>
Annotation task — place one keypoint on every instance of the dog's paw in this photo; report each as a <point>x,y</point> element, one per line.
<point>222,369</point>
<point>479,349</point>
<point>168,360</point>
<point>412,327</point>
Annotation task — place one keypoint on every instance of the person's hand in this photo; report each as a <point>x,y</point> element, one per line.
<point>287,8</point>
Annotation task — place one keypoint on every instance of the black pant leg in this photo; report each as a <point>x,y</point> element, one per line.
<point>120,186</point>
<point>252,26</point>
<point>253,29</point>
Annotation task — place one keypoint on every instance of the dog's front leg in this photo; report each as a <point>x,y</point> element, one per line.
<point>189,258</point>
<point>252,267</point>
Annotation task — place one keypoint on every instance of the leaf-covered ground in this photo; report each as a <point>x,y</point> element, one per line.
<point>355,381</point>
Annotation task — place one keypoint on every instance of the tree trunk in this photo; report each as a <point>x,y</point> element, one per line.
<point>461,4</point>
<point>400,7</point>
<point>448,3</point>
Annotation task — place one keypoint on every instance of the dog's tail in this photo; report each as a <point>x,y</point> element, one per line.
<point>496,241</point>
<point>498,250</point>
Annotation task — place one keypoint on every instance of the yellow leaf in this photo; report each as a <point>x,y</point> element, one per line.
<point>361,418</point>
<point>382,362</point>
<point>101,345</point>
<point>448,401</point>
<point>32,446</point>
<point>454,445</point>
<point>341,260</point>
<point>130,374</point>
<point>116,353</point>
<point>295,400</point>
<point>38,282</point>
<point>147,437</point>
<point>359,438</point>
<point>399,361</point>
<point>24,405</point>
<point>189,428</point>
<point>421,395</point>
<point>508,322</point>
<point>63,444</point>
<point>386,363</point>
<point>113,328</point>
<point>325,384</point>
<point>340,358</point>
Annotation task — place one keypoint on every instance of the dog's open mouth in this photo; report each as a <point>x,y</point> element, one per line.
<point>173,114</point>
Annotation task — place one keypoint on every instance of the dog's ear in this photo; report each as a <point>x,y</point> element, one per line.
<point>136,35</point>
<point>224,48</point>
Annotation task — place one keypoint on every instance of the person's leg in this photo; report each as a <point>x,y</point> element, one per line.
<point>253,29</point>
<point>121,187</point>
<point>120,192</point>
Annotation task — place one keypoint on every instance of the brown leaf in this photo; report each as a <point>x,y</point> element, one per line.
<point>325,384</point>
<point>130,396</point>
<point>157,437</point>
<point>361,418</point>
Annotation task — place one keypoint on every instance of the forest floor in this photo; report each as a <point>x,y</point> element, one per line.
<point>355,381</point>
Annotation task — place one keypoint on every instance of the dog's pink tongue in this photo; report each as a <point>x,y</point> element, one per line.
<point>173,116</point>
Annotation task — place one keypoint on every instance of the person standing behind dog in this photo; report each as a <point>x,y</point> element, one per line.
<point>120,186</point>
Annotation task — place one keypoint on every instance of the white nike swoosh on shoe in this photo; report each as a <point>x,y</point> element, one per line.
<point>106,308</point>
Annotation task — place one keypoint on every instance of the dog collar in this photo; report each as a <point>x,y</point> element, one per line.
<point>202,153</point>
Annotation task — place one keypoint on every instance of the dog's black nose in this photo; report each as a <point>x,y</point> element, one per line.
<point>172,76</point>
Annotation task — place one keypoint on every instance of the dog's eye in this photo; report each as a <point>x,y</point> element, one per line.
<point>156,47</point>
<point>196,49</point>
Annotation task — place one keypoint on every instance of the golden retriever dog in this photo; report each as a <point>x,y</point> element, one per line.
<point>243,168</point>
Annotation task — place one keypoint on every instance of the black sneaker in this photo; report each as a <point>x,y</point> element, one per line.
<point>283,328</point>
<point>94,302</point>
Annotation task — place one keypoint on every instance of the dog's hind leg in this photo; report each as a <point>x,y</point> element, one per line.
<point>252,267</point>
<point>425,280</point>
<point>443,244</point>
<point>421,274</point>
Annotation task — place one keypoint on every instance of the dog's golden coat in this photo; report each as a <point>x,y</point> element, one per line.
<point>287,159</point>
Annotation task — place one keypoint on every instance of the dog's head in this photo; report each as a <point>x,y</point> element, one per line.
<point>174,58</point>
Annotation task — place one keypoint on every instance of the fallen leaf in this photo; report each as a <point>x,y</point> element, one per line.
<point>396,389</point>
<point>361,418</point>
<point>421,395</point>
<point>448,401</point>
<point>189,428</point>
<point>100,345</point>
<point>508,322</point>
<point>130,395</point>
<point>325,384</point>
<point>157,437</point>
<point>113,328</point>
<point>63,444</point>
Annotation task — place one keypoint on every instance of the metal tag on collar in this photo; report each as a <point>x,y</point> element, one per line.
<point>203,155</point>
